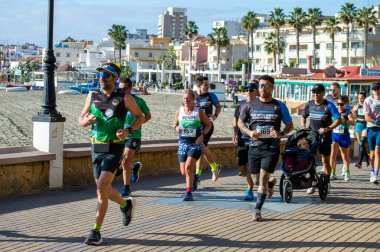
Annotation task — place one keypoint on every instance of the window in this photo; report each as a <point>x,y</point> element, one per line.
<point>150,55</point>
<point>356,45</point>
<point>329,46</point>
<point>302,61</point>
<point>258,48</point>
<point>344,45</point>
<point>136,54</point>
<point>317,46</point>
<point>67,55</point>
<point>58,54</point>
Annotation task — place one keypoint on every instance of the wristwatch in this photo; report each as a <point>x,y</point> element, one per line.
<point>130,130</point>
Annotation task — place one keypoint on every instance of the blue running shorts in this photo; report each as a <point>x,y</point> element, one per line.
<point>360,126</point>
<point>373,137</point>
<point>188,149</point>
<point>343,140</point>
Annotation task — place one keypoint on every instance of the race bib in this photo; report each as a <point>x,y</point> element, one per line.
<point>361,112</point>
<point>339,130</point>
<point>189,132</point>
<point>264,131</point>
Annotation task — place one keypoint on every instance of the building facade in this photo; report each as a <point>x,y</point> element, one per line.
<point>171,23</point>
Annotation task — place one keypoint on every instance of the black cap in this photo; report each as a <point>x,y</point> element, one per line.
<point>318,88</point>
<point>251,86</point>
<point>375,86</point>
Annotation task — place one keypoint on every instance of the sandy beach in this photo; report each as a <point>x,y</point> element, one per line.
<point>17,109</point>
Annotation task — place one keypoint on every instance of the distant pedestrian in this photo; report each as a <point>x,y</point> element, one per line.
<point>105,112</point>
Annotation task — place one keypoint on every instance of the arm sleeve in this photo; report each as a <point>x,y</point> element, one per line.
<point>305,111</point>
<point>334,111</point>
<point>214,99</point>
<point>285,115</point>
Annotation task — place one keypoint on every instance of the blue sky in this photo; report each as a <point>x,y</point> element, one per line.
<point>26,20</point>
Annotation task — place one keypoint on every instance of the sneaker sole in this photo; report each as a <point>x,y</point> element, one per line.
<point>138,173</point>
<point>92,243</point>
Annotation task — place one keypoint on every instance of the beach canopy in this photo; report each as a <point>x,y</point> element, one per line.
<point>66,68</point>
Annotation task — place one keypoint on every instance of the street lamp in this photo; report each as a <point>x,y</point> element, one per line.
<point>48,111</point>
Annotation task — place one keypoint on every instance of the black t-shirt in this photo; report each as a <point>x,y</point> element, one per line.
<point>320,115</point>
<point>263,116</point>
<point>243,139</point>
<point>206,102</point>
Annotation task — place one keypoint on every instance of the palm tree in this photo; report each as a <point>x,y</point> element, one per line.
<point>118,34</point>
<point>366,18</point>
<point>190,31</point>
<point>314,18</point>
<point>297,19</point>
<point>332,27</point>
<point>277,20</point>
<point>249,23</point>
<point>219,38</point>
<point>347,16</point>
<point>270,44</point>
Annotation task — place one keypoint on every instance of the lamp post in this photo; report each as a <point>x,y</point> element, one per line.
<point>48,124</point>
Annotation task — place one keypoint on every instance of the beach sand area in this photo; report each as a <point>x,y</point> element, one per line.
<point>17,109</point>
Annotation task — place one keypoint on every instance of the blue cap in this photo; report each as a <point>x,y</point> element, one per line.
<point>108,69</point>
<point>251,86</point>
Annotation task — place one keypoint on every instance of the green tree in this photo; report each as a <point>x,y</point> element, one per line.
<point>332,27</point>
<point>277,20</point>
<point>218,38</point>
<point>314,18</point>
<point>347,15</point>
<point>126,70</point>
<point>27,68</point>
<point>270,44</point>
<point>238,65</point>
<point>366,19</point>
<point>297,19</point>
<point>249,23</point>
<point>118,34</point>
<point>190,31</point>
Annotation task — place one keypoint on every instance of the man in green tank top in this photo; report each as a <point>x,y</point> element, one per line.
<point>105,112</point>
<point>133,141</point>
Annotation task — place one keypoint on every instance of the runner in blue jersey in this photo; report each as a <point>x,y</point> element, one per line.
<point>372,116</point>
<point>264,115</point>
<point>191,125</point>
<point>321,113</point>
<point>206,101</point>
<point>361,129</point>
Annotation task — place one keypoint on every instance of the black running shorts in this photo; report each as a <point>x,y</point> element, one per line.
<point>208,136</point>
<point>262,157</point>
<point>242,155</point>
<point>106,161</point>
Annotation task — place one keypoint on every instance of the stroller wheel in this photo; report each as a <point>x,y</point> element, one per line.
<point>323,186</point>
<point>281,186</point>
<point>288,191</point>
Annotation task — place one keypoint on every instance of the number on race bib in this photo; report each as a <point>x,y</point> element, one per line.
<point>264,131</point>
<point>360,111</point>
<point>188,132</point>
<point>339,130</point>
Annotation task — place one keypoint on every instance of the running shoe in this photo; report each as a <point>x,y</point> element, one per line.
<point>128,211</point>
<point>347,176</point>
<point>248,195</point>
<point>311,190</point>
<point>126,192</point>
<point>358,165</point>
<point>195,183</point>
<point>188,197</point>
<point>94,238</point>
<point>373,179</point>
<point>343,171</point>
<point>328,187</point>
<point>257,215</point>
<point>333,177</point>
<point>216,173</point>
<point>136,172</point>
<point>271,185</point>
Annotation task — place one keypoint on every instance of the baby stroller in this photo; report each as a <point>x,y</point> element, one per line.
<point>301,178</point>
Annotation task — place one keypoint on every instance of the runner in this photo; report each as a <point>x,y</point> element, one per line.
<point>264,115</point>
<point>372,116</point>
<point>206,100</point>
<point>242,141</point>
<point>105,111</point>
<point>131,172</point>
<point>192,125</point>
<point>361,129</point>
<point>341,139</point>
<point>334,94</point>
<point>321,113</point>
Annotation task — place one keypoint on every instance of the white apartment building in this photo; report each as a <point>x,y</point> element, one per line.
<point>12,54</point>
<point>171,23</point>
<point>68,52</point>
<point>323,58</point>
<point>233,27</point>
<point>145,53</point>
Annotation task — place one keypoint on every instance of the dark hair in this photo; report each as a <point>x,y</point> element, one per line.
<point>363,93</point>
<point>199,81</point>
<point>267,78</point>
<point>344,99</point>
<point>125,80</point>
<point>117,69</point>
<point>335,84</point>
<point>205,78</point>
<point>255,81</point>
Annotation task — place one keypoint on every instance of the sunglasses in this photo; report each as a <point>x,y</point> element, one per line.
<point>265,86</point>
<point>250,90</point>
<point>340,104</point>
<point>316,92</point>
<point>105,75</point>
<point>332,89</point>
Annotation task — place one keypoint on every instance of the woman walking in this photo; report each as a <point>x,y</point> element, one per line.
<point>188,123</point>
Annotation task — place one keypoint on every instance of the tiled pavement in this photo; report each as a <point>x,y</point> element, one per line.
<point>219,220</point>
